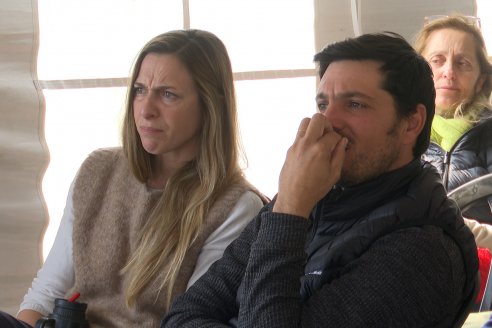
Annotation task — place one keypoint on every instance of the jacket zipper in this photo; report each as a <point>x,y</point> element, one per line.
<point>447,160</point>
<point>447,155</point>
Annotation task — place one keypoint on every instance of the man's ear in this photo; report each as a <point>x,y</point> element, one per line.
<point>415,124</point>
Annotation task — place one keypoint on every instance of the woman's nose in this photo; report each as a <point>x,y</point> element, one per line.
<point>448,70</point>
<point>147,108</point>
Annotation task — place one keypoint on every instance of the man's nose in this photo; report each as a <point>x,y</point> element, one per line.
<point>334,115</point>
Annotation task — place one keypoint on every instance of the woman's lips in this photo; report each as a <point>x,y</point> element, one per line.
<point>149,130</point>
<point>447,88</point>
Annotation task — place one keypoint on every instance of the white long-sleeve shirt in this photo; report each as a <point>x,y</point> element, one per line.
<point>482,233</point>
<point>56,276</point>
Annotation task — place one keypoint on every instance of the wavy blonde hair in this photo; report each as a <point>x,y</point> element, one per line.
<point>176,219</point>
<point>469,108</point>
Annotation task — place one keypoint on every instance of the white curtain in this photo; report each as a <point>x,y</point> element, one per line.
<point>23,154</point>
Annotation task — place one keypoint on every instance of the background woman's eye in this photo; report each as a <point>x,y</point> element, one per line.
<point>436,61</point>
<point>464,64</point>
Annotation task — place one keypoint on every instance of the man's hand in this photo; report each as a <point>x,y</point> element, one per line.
<point>313,165</point>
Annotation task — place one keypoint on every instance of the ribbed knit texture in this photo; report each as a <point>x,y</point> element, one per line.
<point>110,207</point>
<point>418,275</point>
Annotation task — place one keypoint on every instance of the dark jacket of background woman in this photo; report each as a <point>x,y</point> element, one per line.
<point>469,158</point>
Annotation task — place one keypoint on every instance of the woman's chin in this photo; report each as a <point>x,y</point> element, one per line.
<point>445,109</point>
<point>151,149</point>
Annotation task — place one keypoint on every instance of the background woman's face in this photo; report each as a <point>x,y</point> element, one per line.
<point>452,56</point>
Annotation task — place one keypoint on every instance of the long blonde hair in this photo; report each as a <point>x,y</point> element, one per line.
<point>178,215</point>
<point>469,108</point>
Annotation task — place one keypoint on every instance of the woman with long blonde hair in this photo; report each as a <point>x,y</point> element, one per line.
<point>146,220</point>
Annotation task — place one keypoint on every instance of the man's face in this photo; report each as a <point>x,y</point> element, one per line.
<point>351,97</point>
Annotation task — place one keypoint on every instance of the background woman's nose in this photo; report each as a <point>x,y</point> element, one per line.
<point>448,70</point>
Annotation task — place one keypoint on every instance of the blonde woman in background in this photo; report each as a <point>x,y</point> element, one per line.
<point>144,221</point>
<point>461,138</point>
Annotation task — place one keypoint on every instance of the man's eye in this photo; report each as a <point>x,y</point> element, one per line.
<point>322,107</point>
<point>355,105</point>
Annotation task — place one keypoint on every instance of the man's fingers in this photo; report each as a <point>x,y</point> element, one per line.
<point>303,127</point>
<point>316,127</point>
<point>338,155</point>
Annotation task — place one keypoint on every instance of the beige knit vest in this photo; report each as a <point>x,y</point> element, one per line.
<point>110,206</point>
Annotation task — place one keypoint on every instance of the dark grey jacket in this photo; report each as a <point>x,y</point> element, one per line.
<point>469,158</point>
<point>392,252</point>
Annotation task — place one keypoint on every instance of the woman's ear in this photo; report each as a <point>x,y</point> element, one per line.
<point>480,82</point>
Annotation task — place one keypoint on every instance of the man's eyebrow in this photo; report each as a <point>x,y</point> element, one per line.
<point>352,94</point>
<point>321,96</point>
<point>345,95</point>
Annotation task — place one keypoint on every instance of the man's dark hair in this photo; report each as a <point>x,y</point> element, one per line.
<point>408,76</point>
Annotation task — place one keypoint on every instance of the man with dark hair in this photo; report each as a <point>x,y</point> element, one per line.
<point>361,233</point>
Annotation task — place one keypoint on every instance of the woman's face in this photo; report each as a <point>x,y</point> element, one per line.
<point>167,110</point>
<point>453,59</point>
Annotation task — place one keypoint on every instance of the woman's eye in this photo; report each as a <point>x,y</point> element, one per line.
<point>436,61</point>
<point>138,90</point>
<point>464,64</point>
<point>168,95</point>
